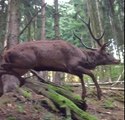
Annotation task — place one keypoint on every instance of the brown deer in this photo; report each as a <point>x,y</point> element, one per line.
<point>58,55</point>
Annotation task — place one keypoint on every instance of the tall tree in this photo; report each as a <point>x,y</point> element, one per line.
<point>43,32</point>
<point>56,20</point>
<point>100,15</point>
<point>43,22</point>
<point>12,30</point>
<point>57,36</point>
<point>93,17</point>
<point>117,32</point>
<point>12,33</point>
<point>3,12</point>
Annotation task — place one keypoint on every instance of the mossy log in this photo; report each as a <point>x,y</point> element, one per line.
<point>62,99</point>
<point>70,95</point>
<point>64,91</point>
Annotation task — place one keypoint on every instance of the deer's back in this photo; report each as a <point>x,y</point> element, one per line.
<point>44,53</point>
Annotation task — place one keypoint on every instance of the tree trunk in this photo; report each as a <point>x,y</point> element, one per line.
<point>7,24</point>
<point>3,12</point>
<point>28,17</point>
<point>101,30</point>
<point>56,20</point>
<point>43,21</point>
<point>35,26</point>
<point>43,33</point>
<point>13,23</point>
<point>99,15</point>
<point>92,15</point>
<point>117,32</point>
<point>57,36</point>
<point>11,38</point>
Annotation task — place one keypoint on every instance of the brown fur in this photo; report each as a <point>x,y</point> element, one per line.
<point>57,55</point>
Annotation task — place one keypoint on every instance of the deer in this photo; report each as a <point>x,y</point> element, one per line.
<point>59,55</point>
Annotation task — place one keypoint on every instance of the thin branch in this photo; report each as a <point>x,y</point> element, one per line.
<point>118,80</point>
<point>43,80</point>
<point>32,19</point>
<point>39,77</point>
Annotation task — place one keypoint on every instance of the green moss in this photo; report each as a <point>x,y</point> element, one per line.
<point>20,108</point>
<point>64,103</point>
<point>66,92</point>
<point>27,94</point>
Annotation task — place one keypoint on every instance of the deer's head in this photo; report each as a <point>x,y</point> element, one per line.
<point>103,57</point>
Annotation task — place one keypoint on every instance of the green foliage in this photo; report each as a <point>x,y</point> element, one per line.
<point>111,71</point>
<point>11,118</point>
<point>116,71</point>
<point>107,72</point>
<point>69,23</point>
<point>108,104</point>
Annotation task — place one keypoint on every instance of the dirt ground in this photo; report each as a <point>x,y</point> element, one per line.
<point>16,107</point>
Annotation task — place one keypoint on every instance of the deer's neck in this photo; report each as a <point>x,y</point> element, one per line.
<point>91,60</point>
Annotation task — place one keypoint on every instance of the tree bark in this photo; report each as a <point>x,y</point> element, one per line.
<point>3,12</point>
<point>7,24</point>
<point>11,39</point>
<point>43,21</point>
<point>57,36</point>
<point>43,32</point>
<point>13,23</point>
<point>56,20</point>
<point>117,32</point>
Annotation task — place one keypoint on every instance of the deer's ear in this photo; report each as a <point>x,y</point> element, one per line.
<point>103,48</point>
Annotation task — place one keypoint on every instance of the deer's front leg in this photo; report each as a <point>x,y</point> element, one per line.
<point>89,73</point>
<point>83,86</point>
<point>99,91</point>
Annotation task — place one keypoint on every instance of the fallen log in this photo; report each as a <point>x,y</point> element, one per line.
<point>62,102</point>
<point>64,91</point>
<point>111,88</point>
<point>92,84</point>
<point>65,100</point>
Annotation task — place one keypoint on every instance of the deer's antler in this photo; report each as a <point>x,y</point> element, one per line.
<point>90,30</point>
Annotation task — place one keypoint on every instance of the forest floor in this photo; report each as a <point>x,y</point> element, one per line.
<point>16,107</point>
